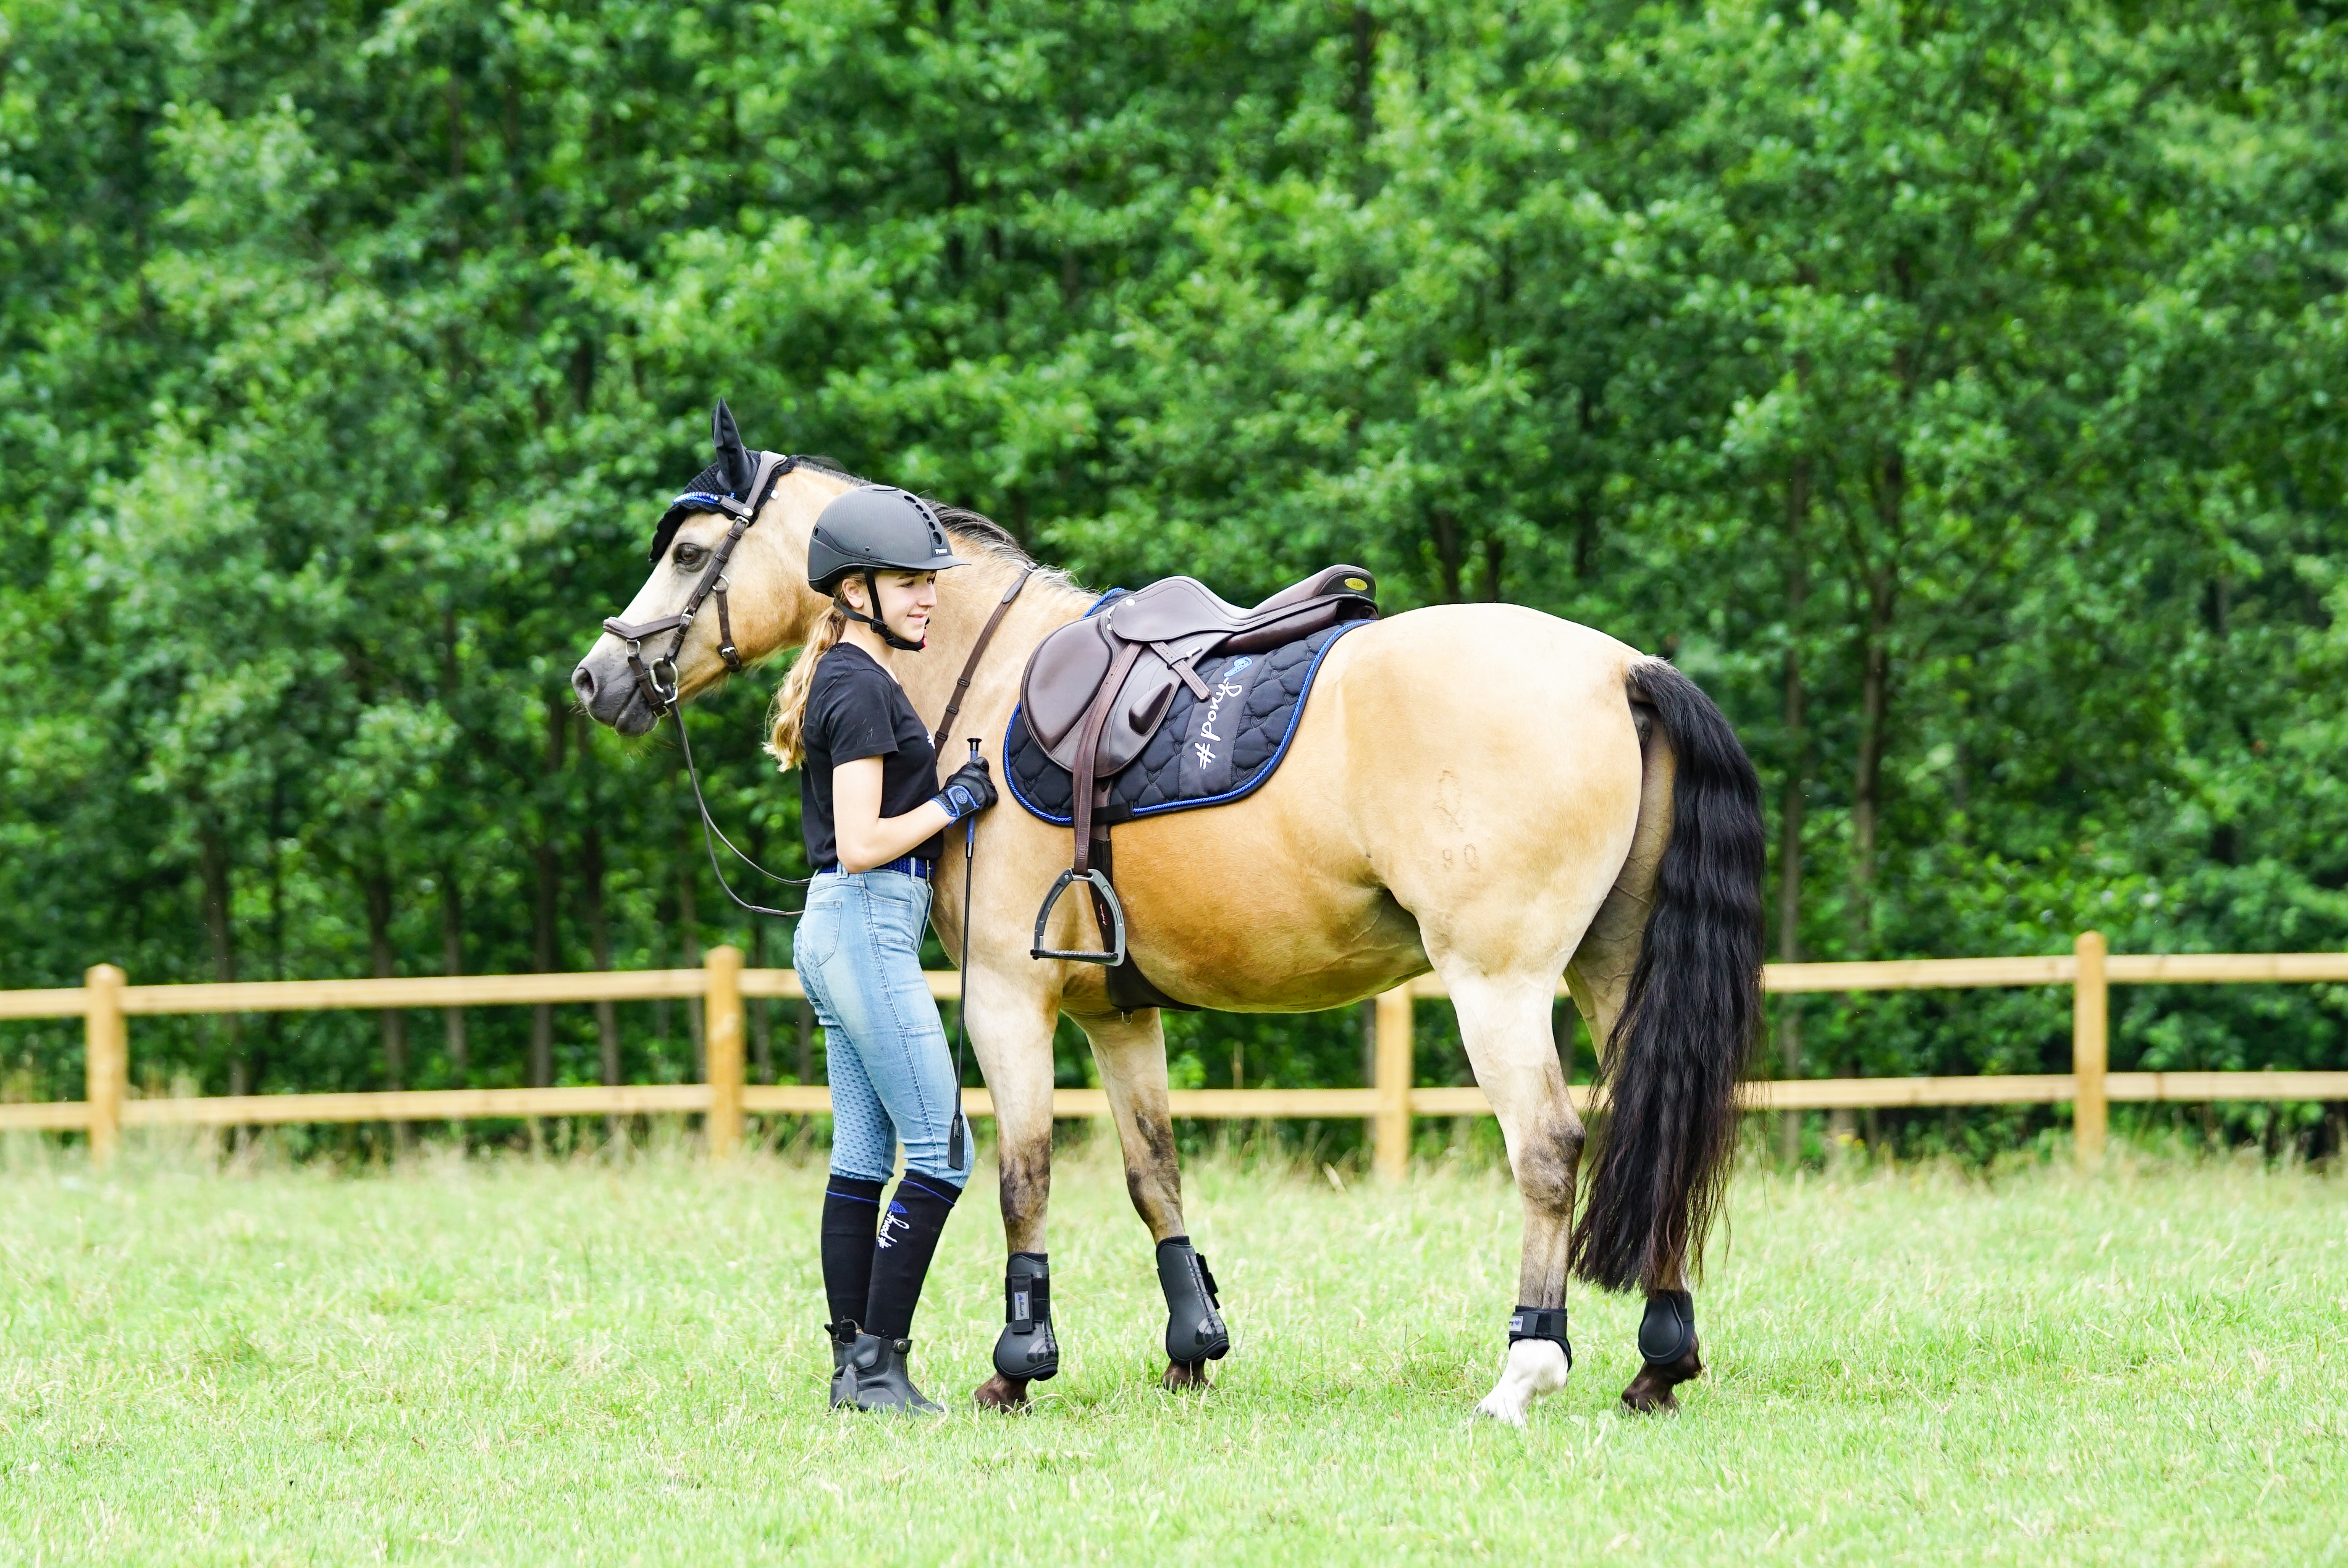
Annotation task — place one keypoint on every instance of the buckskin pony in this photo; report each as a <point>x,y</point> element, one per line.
<point>1483,791</point>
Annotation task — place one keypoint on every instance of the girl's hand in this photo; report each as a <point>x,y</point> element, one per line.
<point>970,791</point>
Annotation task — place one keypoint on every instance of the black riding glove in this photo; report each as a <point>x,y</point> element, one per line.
<point>968,792</point>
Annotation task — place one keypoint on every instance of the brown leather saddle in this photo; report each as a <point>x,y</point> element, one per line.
<point>1096,690</point>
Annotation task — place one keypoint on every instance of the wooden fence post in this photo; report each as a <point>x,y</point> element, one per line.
<point>722,1032</point>
<point>1390,1130</point>
<point>2090,1049</point>
<point>105,1048</point>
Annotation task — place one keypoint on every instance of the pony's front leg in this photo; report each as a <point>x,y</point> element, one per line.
<point>1131,1051</point>
<point>1013,1036</point>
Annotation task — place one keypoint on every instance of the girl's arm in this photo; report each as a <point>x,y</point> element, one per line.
<point>865,837</point>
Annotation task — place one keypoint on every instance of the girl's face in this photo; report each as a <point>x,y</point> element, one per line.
<point>906,599</point>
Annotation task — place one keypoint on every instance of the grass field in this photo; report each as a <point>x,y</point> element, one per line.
<point>570,1363</point>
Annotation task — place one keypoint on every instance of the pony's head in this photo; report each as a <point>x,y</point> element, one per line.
<point>728,585</point>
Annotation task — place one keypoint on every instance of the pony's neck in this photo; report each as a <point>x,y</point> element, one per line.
<point>967,597</point>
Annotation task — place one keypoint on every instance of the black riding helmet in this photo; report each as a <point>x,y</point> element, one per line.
<point>876,526</point>
<point>873,528</point>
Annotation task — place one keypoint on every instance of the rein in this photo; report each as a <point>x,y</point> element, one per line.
<point>664,698</point>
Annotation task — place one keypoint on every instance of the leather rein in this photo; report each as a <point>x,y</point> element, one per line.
<point>713,583</point>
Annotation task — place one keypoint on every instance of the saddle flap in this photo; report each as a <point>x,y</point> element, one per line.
<point>1135,712</point>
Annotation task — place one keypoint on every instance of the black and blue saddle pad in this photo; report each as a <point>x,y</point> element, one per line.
<point>1206,752</point>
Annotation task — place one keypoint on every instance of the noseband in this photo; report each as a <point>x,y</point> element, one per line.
<point>771,468</point>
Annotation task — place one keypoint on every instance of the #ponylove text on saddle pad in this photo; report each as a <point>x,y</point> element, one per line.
<point>1203,752</point>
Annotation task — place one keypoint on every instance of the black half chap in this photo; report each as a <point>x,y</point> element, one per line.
<point>1195,1333</point>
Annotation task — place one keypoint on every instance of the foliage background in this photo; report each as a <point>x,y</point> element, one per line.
<point>1952,389</point>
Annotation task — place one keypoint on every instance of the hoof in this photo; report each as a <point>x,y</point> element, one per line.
<point>1181,1375</point>
<point>1650,1392</point>
<point>1534,1368</point>
<point>1002,1393</point>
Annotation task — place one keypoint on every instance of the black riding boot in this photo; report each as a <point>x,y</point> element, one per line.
<point>1025,1347</point>
<point>1194,1330</point>
<point>879,1381</point>
<point>843,1341</point>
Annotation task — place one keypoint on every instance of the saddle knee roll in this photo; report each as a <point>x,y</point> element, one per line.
<point>1194,1331</point>
<point>1026,1349</point>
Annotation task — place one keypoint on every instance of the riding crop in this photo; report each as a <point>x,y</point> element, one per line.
<point>961,1008</point>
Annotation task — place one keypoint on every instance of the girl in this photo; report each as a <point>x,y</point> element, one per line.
<point>875,822</point>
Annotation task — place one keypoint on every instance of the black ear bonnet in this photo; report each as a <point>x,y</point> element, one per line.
<point>728,479</point>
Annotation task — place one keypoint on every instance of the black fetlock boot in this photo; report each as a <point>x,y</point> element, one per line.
<point>1195,1333</point>
<point>842,1335</point>
<point>876,1371</point>
<point>1667,1331</point>
<point>1025,1348</point>
<point>1668,1346</point>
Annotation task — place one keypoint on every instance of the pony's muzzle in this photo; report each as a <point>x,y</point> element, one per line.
<point>607,693</point>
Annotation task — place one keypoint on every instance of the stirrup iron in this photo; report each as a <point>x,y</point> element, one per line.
<point>1101,890</point>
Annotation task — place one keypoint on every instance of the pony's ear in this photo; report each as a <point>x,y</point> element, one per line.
<point>733,458</point>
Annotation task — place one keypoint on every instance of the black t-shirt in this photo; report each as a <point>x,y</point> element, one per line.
<point>855,709</point>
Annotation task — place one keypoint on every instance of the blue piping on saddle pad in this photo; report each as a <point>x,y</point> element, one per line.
<point>1019,744</point>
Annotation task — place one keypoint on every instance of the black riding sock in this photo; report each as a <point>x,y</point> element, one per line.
<point>851,1210</point>
<point>910,1228</point>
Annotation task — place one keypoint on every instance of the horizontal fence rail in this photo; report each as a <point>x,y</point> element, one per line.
<point>108,1001</point>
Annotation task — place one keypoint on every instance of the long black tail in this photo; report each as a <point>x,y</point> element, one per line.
<point>1692,1010</point>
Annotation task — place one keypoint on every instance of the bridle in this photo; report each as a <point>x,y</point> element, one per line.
<point>768,467</point>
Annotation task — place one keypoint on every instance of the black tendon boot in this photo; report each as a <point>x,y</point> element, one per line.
<point>1025,1347</point>
<point>879,1380</point>
<point>1194,1330</point>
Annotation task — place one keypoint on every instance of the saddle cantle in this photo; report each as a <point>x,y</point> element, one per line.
<point>1097,690</point>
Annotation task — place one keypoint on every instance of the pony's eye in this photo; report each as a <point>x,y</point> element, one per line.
<point>689,555</point>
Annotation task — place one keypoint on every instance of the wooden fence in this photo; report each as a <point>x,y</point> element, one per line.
<point>107,1001</point>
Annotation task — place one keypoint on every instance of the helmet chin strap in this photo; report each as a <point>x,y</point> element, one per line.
<point>888,635</point>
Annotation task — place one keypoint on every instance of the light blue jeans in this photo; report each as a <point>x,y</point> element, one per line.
<point>858,953</point>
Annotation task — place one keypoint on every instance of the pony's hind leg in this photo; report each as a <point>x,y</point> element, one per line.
<point>1505,1023</point>
<point>1131,1051</point>
<point>1600,981</point>
<point>1013,1042</point>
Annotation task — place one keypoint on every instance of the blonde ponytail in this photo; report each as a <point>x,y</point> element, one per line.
<point>785,741</point>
